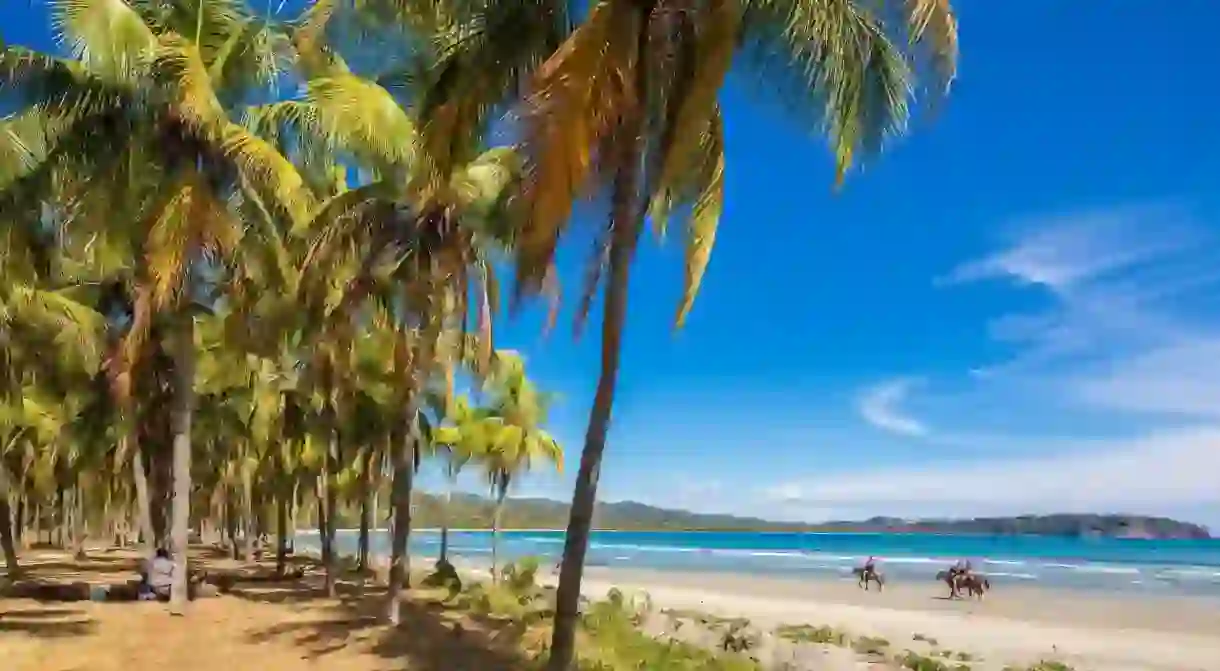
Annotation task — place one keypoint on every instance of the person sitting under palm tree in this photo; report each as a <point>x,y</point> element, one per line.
<point>157,577</point>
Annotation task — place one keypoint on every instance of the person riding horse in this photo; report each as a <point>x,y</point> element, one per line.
<point>868,572</point>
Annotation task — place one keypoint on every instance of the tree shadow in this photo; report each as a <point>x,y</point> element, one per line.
<point>431,636</point>
<point>46,623</point>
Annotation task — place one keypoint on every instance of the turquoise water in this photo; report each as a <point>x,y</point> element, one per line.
<point>1128,565</point>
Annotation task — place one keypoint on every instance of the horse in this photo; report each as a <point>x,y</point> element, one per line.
<point>974,584</point>
<point>864,576</point>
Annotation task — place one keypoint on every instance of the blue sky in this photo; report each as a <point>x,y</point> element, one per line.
<point>1012,310</point>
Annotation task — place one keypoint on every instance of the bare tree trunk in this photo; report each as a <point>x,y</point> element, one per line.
<point>143,503</point>
<point>626,220</point>
<point>183,410</point>
<point>403,483</point>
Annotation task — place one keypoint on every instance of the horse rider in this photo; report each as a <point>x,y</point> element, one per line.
<point>870,566</point>
<point>963,568</point>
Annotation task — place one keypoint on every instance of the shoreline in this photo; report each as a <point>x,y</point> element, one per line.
<point>1084,577</point>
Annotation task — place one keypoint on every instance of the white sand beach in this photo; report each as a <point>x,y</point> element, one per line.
<point>1013,626</point>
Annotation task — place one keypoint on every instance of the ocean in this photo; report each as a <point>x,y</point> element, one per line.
<point>1155,567</point>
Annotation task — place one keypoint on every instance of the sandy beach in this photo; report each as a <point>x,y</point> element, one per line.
<point>289,627</point>
<point>1012,626</point>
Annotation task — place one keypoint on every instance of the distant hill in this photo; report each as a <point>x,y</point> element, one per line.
<point>468,511</point>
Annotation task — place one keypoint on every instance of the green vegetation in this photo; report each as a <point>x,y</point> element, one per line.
<point>870,645</point>
<point>805,633</point>
<point>245,277</point>
<point>1043,665</point>
<point>917,662</point>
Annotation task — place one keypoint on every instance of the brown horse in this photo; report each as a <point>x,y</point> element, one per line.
<point>865,576</point>
<point>973,584</point>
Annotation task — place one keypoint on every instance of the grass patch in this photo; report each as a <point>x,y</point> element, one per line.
<point>917,662</point>
<point>870,645</point>
<point>1044,665</point>
<point>612,641</point>
<point>925,638</point>
<point>805,633</point>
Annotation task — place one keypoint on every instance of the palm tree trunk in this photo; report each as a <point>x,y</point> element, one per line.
<point>495,532</point>
<point>451,475</point>
<point>323,540</point>
<point>330,471</point>
<point>281,534</point>
<point>231,524</point>
<point>404,482</point>
<point>293,510</point>
<point>18,527</point>
<point>626,219</point>
<point>247,514</point>
<point>61,518</point>
<point>143,505</point>
<point>6,530</point>
<point>184,406</point>
<point>367,503</point>
<point>78,522</point>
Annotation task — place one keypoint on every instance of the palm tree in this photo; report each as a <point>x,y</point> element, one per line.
<point>511,426</point>
<point>458,437</point>
<point>140,123</point>
<point>628,103</point>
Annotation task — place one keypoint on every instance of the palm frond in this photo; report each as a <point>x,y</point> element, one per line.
<point>837,65</point>
<point>572,111</point>
<point>107,37</point>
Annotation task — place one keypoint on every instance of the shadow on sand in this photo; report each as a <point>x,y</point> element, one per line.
<point>431,636</point>
<point>46,623</point>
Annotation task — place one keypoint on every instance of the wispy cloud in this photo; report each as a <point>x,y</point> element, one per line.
<point>881,406</point>
<point>1121,284</point>
<point>1159,472</point>
<point>1065,251</point>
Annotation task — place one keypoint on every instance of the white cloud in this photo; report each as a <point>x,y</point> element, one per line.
<point>1161,471</point>
<point>1180,379</point>
<point>1124,329</point>
<point>881,406</point>
<point>1062,252</point>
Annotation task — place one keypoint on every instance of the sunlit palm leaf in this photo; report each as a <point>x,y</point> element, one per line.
<point>107,36</point>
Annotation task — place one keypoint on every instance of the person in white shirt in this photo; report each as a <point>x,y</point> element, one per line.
<point>158,575</point>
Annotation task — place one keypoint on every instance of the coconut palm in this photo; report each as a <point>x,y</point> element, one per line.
<point>511,426</point>
<point>455,438</point>
<point>139,121</point>
<point>628,103</point>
